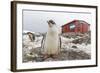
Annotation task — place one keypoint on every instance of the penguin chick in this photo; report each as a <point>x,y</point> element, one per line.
<point>51,44</point>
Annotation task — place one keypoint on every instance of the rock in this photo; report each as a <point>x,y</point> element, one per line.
<point>32,55</point>
<point>74,47</point>
<point>73,55</point>
<point>49,59</point>
<point>39,59</point>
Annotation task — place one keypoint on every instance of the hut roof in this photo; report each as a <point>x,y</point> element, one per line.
<point>80,21</point>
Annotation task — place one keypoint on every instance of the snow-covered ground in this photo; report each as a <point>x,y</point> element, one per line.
<point>69,50</point>
<point>37,41</point>
<point>67,45</point>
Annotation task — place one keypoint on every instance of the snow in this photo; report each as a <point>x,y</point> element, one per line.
<point>67,45</point>
<point>68,48</point>
<point>38,40</point>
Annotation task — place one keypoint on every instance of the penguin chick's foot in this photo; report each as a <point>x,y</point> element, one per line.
<point>50,56</point>
<point>54,56</point>
<point>45,56</point>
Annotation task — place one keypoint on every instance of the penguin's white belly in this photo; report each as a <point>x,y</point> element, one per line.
<point>51,45</point>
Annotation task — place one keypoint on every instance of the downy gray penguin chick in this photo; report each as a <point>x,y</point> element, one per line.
<point>51,44</point>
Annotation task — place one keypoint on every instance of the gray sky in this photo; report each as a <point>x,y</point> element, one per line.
<point>36,21</point>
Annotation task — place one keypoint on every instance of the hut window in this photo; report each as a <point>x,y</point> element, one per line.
<point>72,26</point>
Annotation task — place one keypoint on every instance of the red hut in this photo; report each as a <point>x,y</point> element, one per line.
<point>76,26</point>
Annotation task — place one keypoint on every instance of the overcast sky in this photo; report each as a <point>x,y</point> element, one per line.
<point>36,21</point>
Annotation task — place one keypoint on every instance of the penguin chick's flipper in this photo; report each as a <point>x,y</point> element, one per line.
<point>60,42</point>
<point>43,42</point>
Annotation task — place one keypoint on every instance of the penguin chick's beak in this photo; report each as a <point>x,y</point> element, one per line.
<point>50,25</point>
